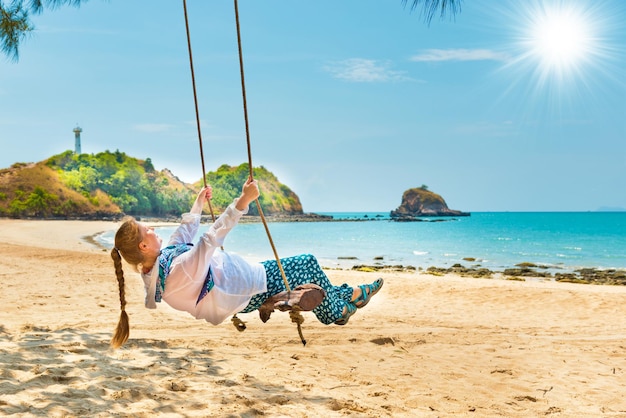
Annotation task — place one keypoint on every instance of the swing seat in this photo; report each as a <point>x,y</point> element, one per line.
<point>305,297</point>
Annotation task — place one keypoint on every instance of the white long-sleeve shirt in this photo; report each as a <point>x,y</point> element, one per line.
<point>236,280</point>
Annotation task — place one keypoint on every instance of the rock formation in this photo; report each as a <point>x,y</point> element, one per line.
<point>420,202</point>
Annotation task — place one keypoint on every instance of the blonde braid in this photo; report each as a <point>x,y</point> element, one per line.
<point>127,239</point>
<point>122,331</point>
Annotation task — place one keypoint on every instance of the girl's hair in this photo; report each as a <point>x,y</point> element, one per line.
<point>127,239</point>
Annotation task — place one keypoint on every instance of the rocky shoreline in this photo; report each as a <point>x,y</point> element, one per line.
<point>521,272</point>
<point>303,217</point>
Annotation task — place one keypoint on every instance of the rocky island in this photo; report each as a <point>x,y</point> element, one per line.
<point>421,202</point>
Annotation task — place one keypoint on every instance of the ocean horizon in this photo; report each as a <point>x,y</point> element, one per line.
<point>558,241</point>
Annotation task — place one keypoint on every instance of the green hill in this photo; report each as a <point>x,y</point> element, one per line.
<point>36,190</point>
<point>276,198</point>
<point>110,184</point>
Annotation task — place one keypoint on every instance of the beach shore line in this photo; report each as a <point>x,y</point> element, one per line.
<point>426,345</point>
<point>470,268</point>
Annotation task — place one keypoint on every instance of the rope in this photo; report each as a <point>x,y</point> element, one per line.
<point>295,314</point>
<point>195,100</point>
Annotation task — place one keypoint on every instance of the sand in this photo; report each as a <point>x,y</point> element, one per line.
<point>425,346</point>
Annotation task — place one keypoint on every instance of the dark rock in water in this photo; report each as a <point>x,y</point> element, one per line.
<point>420,202</point>
<point>462,271</point>
<point>525,272</point>
<point>595,276</point>
<point>583,276</point>
<point>370,268</point>
<point>405,218</point>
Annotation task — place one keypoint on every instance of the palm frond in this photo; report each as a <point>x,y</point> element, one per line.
<point>37,6</point>
<point>14,25</point>
<point>429,8</point>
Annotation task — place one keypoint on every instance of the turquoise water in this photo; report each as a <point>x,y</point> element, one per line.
<point>497,240</point>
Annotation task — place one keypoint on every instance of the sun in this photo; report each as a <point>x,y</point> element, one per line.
<point>559,44</point>
<point>560,39</point>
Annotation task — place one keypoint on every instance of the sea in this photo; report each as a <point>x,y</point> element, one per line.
<point>559,241</point>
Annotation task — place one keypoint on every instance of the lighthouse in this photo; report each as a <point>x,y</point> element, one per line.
<point>77,132</point>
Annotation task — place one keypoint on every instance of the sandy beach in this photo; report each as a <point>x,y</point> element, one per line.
<point>425,346</point>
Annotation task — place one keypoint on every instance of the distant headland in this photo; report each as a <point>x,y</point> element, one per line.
<point>110,185</point>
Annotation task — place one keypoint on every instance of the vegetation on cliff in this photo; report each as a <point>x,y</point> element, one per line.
<point>112,183</point>
<point>36,190</point>
<point>132,184</point>
<point>275,197</point>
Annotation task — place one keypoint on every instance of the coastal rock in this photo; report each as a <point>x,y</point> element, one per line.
<point>477,272</point>
<point>421,202</point>
<point>613,277</point>
<point>525,272</point>
<point>595,276</point>
<point>372,268</point>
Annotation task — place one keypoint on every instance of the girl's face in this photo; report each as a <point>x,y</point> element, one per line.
<point>151,242</point>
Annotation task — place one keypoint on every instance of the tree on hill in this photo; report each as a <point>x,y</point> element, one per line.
<point>133,184</point>
<point>36,190</point>
<point>39,203</point>
<point>275,197</point>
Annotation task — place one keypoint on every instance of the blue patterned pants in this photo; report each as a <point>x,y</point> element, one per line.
<point>299,270</point>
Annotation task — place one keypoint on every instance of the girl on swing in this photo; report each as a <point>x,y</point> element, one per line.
<point>212,284</point>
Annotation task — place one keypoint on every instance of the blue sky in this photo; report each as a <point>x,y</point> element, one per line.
<point>519,106</point>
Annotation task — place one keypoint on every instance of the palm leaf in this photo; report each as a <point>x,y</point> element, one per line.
<point>15,25</point>
<point>429,8</point>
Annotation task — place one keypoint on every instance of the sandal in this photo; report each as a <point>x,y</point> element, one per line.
<point>367,291</point>
<point>350,310</point>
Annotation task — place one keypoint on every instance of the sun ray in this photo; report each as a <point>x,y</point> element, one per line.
<point>560,39</point>
<point>560,51</point>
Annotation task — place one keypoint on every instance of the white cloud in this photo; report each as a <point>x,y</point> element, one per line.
<point>435,55</point>
<point>152,127</point>
<point>360,70</point>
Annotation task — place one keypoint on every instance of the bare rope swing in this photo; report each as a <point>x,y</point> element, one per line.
<point>238,323</point>
<point>195,100</point>
<point>295,314</point>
